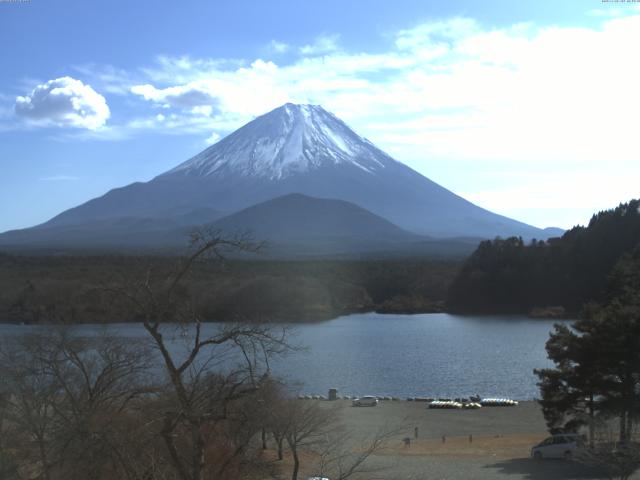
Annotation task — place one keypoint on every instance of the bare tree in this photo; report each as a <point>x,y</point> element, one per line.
<point>344,457</point>
<point>306,428</point>
<point>201,402</point>
<point>276,419</point>
<point>30,399</point>
<point>66,402</point>
<point>314,428</point>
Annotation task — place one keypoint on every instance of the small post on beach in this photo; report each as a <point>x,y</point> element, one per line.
<point>444,439</point>
<point>415,432</point>
<point>470,438</point>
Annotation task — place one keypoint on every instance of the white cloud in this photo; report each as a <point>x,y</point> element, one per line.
<point>64,102</point>
<point>184,69</point>
<point>183,96</point>
<point>450,89</point>
<point>244,92</point>
<point>428,35</point>
<point>322,45</point>
<point>559,94</point>
<point>278,47</point>
<point>205,110</point>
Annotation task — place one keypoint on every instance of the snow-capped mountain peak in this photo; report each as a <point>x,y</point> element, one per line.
<point>289,140</point>
<point>294,149</point>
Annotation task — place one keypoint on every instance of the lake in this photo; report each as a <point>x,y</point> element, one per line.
<point>438,355</point>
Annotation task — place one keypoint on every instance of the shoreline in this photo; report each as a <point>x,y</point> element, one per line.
<point>313,318</point>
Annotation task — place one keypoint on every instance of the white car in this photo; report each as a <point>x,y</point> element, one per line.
<point>558,446</point>
<point>366,401</point>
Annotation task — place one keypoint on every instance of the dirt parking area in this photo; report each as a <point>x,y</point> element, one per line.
<point>489,443</point>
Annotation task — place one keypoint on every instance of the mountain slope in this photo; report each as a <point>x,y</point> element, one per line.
<point>112,233</point>
<point>299,226</point>
<point>292,149</point>
<point>297,217</point>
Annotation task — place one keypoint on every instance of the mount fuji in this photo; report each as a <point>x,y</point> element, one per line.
<point>294,149</point>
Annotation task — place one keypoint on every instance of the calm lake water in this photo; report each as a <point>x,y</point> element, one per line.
<point>437,355</point>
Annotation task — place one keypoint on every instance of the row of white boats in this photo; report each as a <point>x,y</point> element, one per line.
<point>444,403</point>
<point>345,397</point>
<point>465,404</point>
<point>452,404</point>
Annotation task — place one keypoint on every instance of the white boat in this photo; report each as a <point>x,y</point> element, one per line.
<point>498,402</point>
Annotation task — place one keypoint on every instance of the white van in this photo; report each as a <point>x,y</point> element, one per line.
<point>558,446</point>
<point>366,401</point>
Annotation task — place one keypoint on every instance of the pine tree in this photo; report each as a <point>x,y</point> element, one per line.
<point>597,360</point>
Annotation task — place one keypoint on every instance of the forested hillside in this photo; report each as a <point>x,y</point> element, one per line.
<point>75,289</point>
<point>507,275</point>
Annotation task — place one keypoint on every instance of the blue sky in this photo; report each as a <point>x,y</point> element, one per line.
<point>528,109</point>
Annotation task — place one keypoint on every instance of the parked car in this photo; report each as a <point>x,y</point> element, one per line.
<point>366,401</point>
<point>317,478</point>
<point>558,446</point>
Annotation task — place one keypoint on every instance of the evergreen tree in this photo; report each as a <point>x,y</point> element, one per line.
<point>507,276</point>
<point>597,361</point>
<point>570,390</point>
